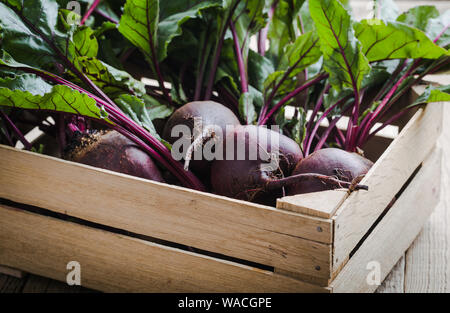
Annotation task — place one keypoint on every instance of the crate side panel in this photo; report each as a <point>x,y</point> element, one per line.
<point>361,209</point>
<point>234,228</point>
<point>116,263</point>
<point>395,232</point>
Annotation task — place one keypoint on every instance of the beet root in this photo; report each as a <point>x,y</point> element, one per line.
<point>111,150</point>
<point>332,162</point>
<point>212,115</point>
<point>243,176</point>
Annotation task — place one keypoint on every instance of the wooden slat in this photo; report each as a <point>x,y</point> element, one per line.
<point>361,209</point>
<point>396,231</point>
<point>111,262</point>
<point>11,271</point>
<point>39,284</point>
<point>426,265</point>
<point>428,259</point>
<point>395,281</point>
<point>10,284</point>
<point>205,221</point>
<point>427,262</point>
<point>321,204</point>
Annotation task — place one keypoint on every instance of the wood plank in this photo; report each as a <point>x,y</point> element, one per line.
<point>395,281</point>
<point>218,224</point>
<point>427,260</point>
<point>111,262</point>
<point>36,284</point>
<point>12,272</point>
<point>402,222</point>
<point>10,284</point>
<point>425,267</point>
<point>321,204</point>
<point>361,209</point>
<point>39,284</point>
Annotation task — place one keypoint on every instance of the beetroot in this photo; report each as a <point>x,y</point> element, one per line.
<point>211,114</point>
<point>246,178</point>
<point>111,150</point>
<point>342,165</point>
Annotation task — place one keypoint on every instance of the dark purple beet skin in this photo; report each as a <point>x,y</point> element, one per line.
<point>334,162</point>
<point>211,113</point>
<point>112,151</point>
<point>244,179</point>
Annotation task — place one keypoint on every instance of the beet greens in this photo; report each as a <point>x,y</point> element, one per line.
<point>255,57</point>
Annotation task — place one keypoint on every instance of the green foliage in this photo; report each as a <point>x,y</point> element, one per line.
<point>343,58</point>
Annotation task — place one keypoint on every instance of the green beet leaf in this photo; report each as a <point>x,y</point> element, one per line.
<point>394,40</point>
<point>343,58</point>
<point>60,99</point>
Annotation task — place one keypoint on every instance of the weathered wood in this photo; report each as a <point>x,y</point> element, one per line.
<point>10,284</point>
<point>217,224</point>
<point>361,209</point>
<point>427,260</point>
<point>321,204</point>
<point>11,271</point>
<point>427,267</point>
<point>429,271</point>
<point>39,284</point>
<point>111,262</point>
<point>396,230</point>
<point>395,281</point>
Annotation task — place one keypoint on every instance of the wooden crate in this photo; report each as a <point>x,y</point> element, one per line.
<point>130,234</point>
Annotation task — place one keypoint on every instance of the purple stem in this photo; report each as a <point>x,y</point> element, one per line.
<point>290,96</point>
<point>215,64</point>
<point>170,166</point>
<point>364,135</point>
<point>330,128</point>
<point>72,128</point>
<point>385,101</point>
<point>118,117</point>
<point>383,91</point>
<point>217,52</point>
<point>389,121</point>
<point>316,109</point>
<point>341,136</point>
<point>316,126</point>
<point>106,16</point>
<point>155,62</point>
<point>280,83</point>
<point>390,80</point>
<point>441,33</point>
<point>338,139</point>
<point>200,75</point>
<point>89,11</point>
<point>262,35</point>
<point>240,59</point>
<point>16,131</point>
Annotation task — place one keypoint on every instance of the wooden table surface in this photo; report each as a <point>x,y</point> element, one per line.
<point>425,266</point>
